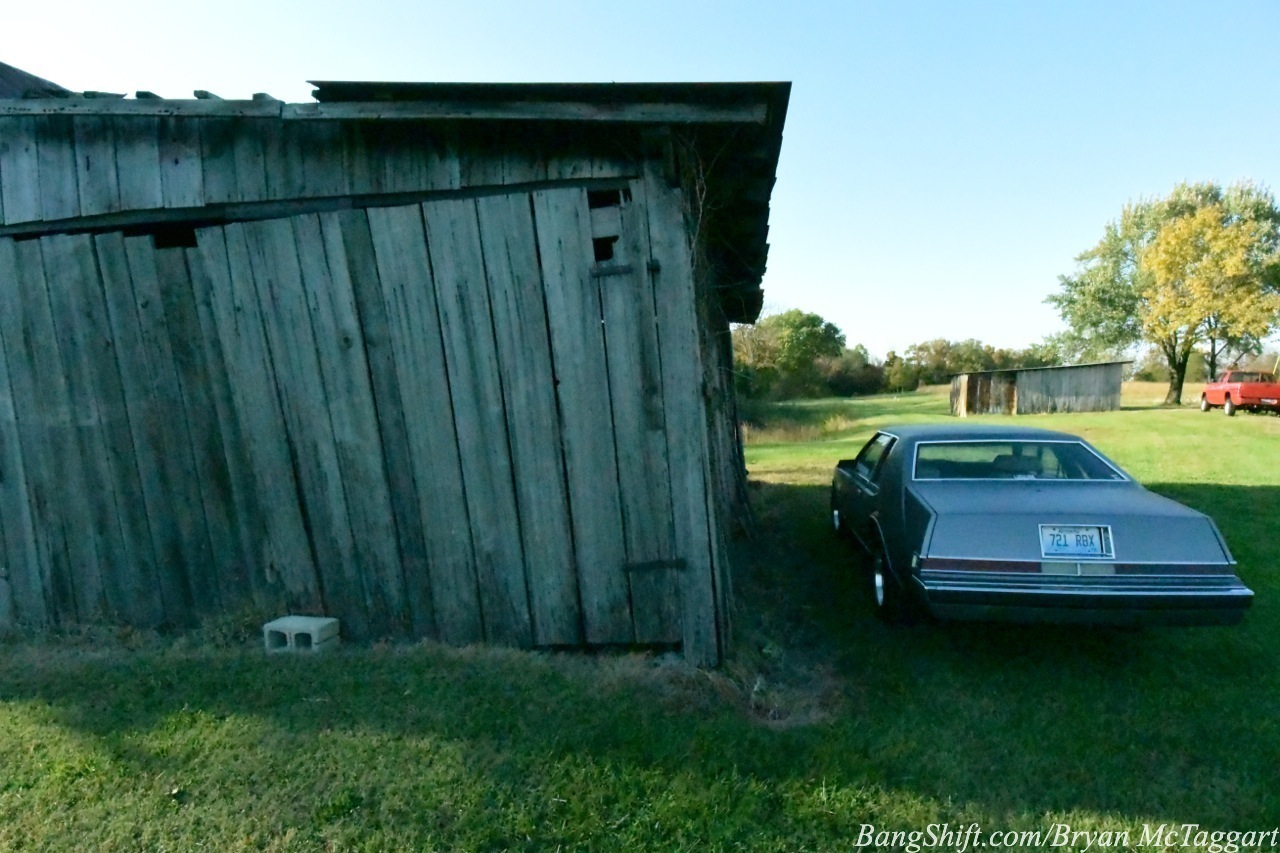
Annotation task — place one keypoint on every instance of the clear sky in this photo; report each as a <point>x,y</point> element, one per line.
<point>942,163</point>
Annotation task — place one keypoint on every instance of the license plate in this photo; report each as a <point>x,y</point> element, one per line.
<point>1076,540</point>
<point>1268,402</point>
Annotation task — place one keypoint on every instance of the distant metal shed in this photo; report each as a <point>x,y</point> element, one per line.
<point>1038,390</point>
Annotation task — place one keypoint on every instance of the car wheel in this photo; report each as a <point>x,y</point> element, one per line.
<point>1229,407</point>
<point>891,601</point>
<point>1204,403</point>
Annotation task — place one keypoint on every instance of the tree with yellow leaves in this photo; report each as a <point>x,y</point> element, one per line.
<point>1201,266</point>
<point>1204,271</point>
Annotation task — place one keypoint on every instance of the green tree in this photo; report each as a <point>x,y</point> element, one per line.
<point>779,355</point>
<point>1191,268</point>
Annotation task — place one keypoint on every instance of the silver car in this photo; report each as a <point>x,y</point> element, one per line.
<point>1027,525</point>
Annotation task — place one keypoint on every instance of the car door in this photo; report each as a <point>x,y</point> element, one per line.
<point>868,468</point>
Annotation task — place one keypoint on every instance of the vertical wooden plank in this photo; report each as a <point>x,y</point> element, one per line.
<point>172,337</point>
<point>277,276</point>
<point>637,395</point>
<point>582,387</point>
<point>413,326</point>
<point>96,177</point>
<point>59,196</point>
<point>181,169</point>
<point>236,520</point>
<point>119,517</point>
<point>248,141</point>
<point>524,360</point>
<point>362,274</point>
<point>345,370</point>
<point>324,159</point>
<point>56,485</point>
<point>27,569</point>
<point>137,143</point>
<point>218,160</point>
<point>365,151</point>
<point>457,260</point>
<point>687,430</point>
<point>19,169</point>
<point>282,154</point>
<point>285,551</point>
<point>177,528</point>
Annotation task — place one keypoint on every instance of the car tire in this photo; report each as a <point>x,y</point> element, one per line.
<point>892,604</point>
<point>837,522</point>
<point>1204,403</point>
<point>1229,407</point>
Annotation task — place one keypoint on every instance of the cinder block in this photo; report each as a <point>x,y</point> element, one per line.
<point>300,634</point>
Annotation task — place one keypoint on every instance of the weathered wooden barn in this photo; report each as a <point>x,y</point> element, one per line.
<point>440,360</point>
<point>1037,390</point>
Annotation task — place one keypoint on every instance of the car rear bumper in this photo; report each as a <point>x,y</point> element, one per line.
<point>1106,600</point>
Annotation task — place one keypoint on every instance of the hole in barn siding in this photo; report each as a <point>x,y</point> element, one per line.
<point>603,247</point>
<point>607,198</point>
<point>174,237</point>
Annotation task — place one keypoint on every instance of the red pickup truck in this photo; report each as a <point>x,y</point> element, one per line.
<point>1242,389</point>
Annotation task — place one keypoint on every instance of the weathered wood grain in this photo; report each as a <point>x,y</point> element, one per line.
<point>60,508</point>
<point>181,165</point>
<point>137,143</point>
<point>93,379</point>
<point>28,577</point>
<point>19,170</point>
<point>639,423</point>
<point>236,519</point>
<point>345,372</point>
<point>151,422</point>
<point>96,178</point>
<point>324,156</point>
<point>59,195</point>
<point>457,260</point>
<point>173,337</point>
<point>156,107</point>
<point>413,325</point>
<point>686,422</point>
<point>273,256</point>
<point>218,160</point>
<point>249,136</point>
<point>582,387</point>
<point>285,554</point>
<point>533,425</point>
<point>285,152</point>
<point>389,412</point>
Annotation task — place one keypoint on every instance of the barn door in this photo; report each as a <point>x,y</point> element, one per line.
<point>605,342</point>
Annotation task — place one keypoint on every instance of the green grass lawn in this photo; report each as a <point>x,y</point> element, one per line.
<point>823,721</point>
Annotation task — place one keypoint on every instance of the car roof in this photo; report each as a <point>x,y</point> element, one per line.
<point>972,432</point>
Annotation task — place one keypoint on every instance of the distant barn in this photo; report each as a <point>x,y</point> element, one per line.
<point>1037,390</point>
<point>441,360</point>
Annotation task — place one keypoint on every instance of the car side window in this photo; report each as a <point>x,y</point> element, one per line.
<point>867,466</point>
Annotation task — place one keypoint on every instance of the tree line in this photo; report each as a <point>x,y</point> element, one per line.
<point>1194,278</point>
<point>799,354</point>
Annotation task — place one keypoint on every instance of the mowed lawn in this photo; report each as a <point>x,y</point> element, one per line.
<point>823,721</point>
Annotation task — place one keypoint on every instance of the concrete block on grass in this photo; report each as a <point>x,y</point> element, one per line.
<point>303,634</point>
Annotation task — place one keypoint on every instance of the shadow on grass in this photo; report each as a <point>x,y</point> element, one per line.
<point>1032,719</point>
<point>986,721</point>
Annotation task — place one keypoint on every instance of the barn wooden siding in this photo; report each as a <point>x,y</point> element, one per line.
<point>436,379</point>
<point>1074,388</point>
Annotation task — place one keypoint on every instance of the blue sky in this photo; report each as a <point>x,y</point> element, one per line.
<point>942,164</point>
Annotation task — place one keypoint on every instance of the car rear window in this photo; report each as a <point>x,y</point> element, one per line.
<point>1010,460</point>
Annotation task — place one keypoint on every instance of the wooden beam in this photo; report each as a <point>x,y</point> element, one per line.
<point>653,113</point>
<point>249,211</point>
<point>586,111</point>
<point>138,107</point>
